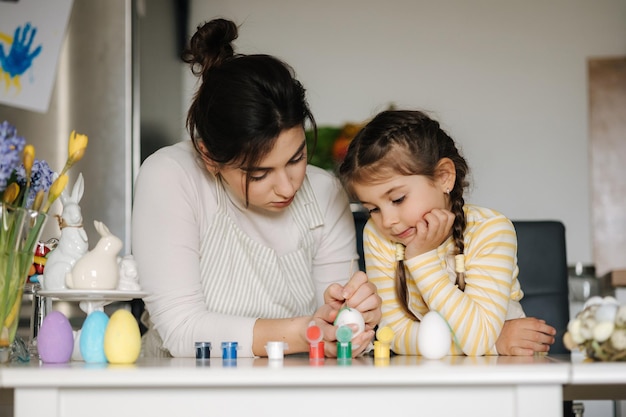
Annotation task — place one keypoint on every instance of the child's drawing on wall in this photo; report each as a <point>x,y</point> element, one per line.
<point>17,54</point>
<point>31,35</point>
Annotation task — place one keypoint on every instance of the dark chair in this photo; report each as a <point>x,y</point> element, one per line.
<point>361,216</point>
<point>542,262</point>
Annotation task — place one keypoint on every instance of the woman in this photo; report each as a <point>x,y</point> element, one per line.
<point>237,238</point>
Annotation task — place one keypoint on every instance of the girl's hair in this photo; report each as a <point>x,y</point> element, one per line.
<point>407,143</point>
<point>243,102</point>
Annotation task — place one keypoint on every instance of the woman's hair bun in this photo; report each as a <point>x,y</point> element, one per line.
<point>211,45</point>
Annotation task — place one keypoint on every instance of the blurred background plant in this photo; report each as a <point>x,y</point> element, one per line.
<point>332,144</point>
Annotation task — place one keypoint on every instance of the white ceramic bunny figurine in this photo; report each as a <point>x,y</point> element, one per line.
<point>129,277</point>
<point>73,242</point>
<point>97,269</point>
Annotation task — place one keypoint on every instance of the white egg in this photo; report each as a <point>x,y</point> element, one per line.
<point>434,336</point>
<point>349,315</point>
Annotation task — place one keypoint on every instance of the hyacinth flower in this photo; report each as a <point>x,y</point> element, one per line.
<point>23,213</point>
<point>11,148</point>
<point>39,178</point>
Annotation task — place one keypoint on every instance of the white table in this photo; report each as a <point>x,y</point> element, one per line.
<point>408,385</point>
<point>596,380</point>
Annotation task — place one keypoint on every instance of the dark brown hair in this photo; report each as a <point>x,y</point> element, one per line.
<point>243,102</point>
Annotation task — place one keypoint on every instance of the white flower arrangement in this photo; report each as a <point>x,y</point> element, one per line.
<point>599,330</point>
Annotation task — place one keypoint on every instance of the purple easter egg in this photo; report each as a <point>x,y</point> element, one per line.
<point>55,341</point>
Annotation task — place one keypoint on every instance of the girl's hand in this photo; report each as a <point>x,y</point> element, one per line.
<point>524,337</point>
<point>430,232</point>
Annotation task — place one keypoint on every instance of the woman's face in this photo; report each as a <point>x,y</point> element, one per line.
<point>275,181</point>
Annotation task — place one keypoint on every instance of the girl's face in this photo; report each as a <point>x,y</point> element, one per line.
<point>398,203</point>
<point>274,183</point>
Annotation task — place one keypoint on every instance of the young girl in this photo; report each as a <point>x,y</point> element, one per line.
<point>425,249</point>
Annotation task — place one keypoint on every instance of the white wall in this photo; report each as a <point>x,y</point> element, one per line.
<point>507,79</point>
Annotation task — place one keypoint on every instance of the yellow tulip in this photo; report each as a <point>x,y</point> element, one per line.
<point>77,146</point>
<point>75,149</point>
<point>10,193</point>
<point>55,191</point>
<point>78,142</point>
<point>29,159</point>
<point>38,200</point>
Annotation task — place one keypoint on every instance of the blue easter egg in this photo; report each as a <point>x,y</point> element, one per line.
<point>55,340</point>
<point>92,337</point>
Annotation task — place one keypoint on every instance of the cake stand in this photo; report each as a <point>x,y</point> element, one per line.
<point>92,300</point>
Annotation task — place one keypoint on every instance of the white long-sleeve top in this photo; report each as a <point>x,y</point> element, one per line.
<point>175,219</point>
<point>476,315</point>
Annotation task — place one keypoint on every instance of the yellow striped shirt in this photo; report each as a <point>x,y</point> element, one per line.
<point>476,315</point>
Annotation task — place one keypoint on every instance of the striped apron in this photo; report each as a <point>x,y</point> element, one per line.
<point>242,277</point>
<point>245,278</point>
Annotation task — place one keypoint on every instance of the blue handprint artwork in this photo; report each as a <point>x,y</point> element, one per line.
<point>31,36</point>
<point>17,54</point>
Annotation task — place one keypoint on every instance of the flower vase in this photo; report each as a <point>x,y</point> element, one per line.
<point>20,230</point>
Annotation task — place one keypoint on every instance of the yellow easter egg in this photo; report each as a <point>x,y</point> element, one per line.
<point>122,338</point>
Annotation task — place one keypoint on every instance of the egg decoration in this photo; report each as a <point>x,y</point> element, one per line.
<point>122,338</point>
<point>92,337</point>
<point>348,316</point>
<point>55,340</point>
<point>434,336</point>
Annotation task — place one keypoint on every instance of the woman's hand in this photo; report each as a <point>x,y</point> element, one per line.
<point>324,318</point>
<point>359,294</point>
<point>430,232</point>
<point>524,337</point>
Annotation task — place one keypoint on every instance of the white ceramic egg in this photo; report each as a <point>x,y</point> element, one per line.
<point>92,337</point>
<point>55,340</point>
<point>122,338</point>
<point>349,315</point>
<point>434,336</point>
